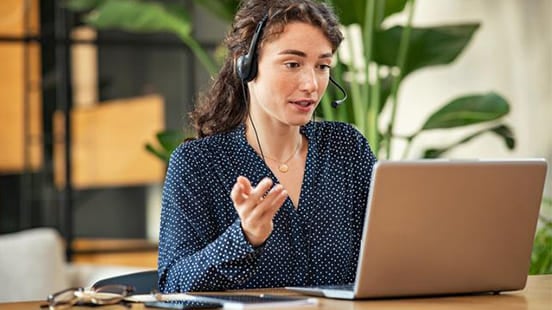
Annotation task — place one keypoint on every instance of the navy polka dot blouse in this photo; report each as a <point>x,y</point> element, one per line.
<point>201,243</point>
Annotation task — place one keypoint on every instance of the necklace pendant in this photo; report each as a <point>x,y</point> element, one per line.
<point>283,168</point>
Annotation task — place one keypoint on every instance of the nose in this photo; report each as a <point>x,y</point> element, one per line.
<point>309,81</point>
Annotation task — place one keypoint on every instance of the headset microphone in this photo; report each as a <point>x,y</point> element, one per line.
<point>335,103</point>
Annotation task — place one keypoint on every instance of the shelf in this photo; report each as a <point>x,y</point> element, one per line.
<point>125,252</point>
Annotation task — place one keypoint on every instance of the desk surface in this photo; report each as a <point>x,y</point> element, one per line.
<point>536,295</point>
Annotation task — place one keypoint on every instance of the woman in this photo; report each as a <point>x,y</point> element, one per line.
<point>266,197</point>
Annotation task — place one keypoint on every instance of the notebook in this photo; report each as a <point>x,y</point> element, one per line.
<point>233,301</point>
<point>222,300</point>
<point>440,227</point>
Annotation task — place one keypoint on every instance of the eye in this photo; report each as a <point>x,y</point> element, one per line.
<point>292,65</point>
<point>324,67</point>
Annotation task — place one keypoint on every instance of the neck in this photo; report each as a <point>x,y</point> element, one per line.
<point>276,142</point>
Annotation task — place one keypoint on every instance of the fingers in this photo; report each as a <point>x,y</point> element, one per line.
<point>259,192</point>
<point>278,202</point>
<point>245,183</point>
<point>240,191</point>
<point>245,196</point>
<point>271,203</point>
<point>256,207</point>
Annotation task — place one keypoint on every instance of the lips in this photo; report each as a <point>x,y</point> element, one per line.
<point>303,103</point>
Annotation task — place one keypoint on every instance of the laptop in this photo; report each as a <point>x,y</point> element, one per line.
<point>446,227</point>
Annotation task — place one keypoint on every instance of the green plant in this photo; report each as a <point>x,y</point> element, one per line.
<point>389,56</point>
<point>541,256</point>
<point>167,141</point>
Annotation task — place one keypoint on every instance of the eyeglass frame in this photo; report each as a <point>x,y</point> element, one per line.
<point>83,297</point>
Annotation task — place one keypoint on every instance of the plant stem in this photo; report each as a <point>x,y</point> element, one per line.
<point>401,61</point>
<point>327,112</point>
<point>357,98</point>
<point>373,110</point>
<point>380,14</point>
<point>368,38</point>
<point>341,114</point>
<point>330,113</point>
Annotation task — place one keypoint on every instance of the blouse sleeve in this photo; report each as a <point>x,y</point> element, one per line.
<point>196,251</point>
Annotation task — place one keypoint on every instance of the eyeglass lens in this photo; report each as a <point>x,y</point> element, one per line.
<point>104,295</point>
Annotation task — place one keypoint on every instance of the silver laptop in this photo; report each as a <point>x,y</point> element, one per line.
<point>438,227</point>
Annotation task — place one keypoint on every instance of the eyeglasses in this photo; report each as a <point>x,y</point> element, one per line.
<point>103,295</point>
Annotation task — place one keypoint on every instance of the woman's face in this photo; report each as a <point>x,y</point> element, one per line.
<point>293,74</point>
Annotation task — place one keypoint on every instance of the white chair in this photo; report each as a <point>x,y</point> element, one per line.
<point>32,266</point>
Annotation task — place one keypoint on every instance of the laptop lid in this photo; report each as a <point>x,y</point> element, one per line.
<point>438,227</point>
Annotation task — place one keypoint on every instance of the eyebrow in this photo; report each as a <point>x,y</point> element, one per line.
<point>303,54</point>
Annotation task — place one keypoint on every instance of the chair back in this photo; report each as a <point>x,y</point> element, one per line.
<point>32,264</point>
<point>144,282</point>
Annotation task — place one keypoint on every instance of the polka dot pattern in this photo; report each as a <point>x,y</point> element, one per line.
<point>201,243</point>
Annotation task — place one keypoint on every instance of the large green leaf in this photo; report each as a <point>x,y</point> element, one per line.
<point>353,11</point>
<point>503,131</point>
<point>170,139</point>
<point>393,6</point>
<point>141,16</point>
<point>146,17</point>
<point>427,46</point>
<point>506,133</point>
<point>82,5</point>
<point>541,256</point>
<point>161,154</point>
<point>468,110</point>
<point>224,9</point>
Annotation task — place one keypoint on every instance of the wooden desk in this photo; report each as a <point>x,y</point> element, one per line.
<point>536,296</point>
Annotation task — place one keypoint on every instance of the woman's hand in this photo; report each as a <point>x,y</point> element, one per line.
<point>256,207</point>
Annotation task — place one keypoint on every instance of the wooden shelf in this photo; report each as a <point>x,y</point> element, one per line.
<point>108,143</point>
<point>20,92</point>
<point>125,252</point>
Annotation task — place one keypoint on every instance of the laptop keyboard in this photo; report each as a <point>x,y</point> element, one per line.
<point>343,287</point>
<point>252,299</point>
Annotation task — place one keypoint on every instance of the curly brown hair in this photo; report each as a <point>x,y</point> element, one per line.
<point>223,106</point>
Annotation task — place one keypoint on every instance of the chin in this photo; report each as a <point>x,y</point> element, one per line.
<point>292,118</point>
<point>299,122</point>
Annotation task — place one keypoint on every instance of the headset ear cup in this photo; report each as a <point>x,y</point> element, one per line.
<point>242,67</point>
<point>246,68</point>
<point>246,65</point>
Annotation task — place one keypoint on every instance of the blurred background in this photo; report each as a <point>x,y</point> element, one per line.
<point>85,85</point>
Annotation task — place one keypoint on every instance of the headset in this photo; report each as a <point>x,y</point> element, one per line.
<point>246,65</point>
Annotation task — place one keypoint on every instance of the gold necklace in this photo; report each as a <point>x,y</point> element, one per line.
<point>283,166</point>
